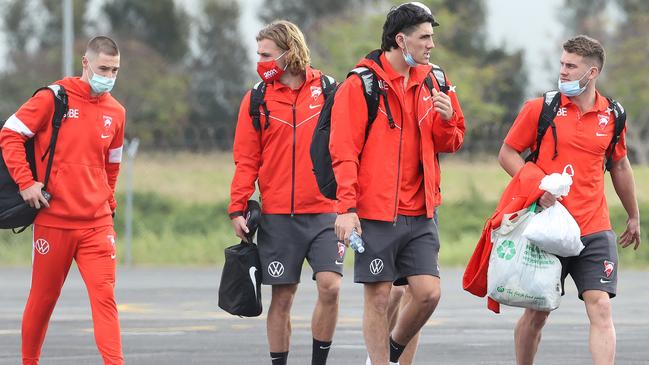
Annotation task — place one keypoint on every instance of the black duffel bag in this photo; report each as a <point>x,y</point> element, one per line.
<point>240,288</point>
<point>15,213</point>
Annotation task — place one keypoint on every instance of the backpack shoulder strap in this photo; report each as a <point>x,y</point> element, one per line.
<point>328,85</point>
<point>257,96</point>
<point>440,77</point>
<point>620,122</point>
<point>60,112</point>
<point>372,92</point>
<point>551,102</point>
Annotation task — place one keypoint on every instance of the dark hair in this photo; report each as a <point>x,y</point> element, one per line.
<point>102,44</point>
<point>404,18</point>
<point>586,47</point>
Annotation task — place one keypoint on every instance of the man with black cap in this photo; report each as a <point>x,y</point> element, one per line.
<point>395,214</point>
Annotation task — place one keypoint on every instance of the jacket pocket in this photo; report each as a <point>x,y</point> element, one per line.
<point>80,192</point>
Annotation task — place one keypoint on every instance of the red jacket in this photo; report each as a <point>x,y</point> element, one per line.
<point>521,191</point>
<point>86,161</point>
<point>371,184</point>
<point>278,156</point>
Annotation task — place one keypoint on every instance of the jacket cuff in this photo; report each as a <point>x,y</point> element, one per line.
<point>453,120</point>
<point>344,208</point>
<point>238,213</point>
<point>28,184</point>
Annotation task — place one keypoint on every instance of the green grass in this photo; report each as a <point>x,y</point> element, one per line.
<point>181,201</point>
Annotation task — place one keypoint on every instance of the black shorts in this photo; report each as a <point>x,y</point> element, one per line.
<point>393,252</point>
<point>596,266</point>
<point>284,242</point>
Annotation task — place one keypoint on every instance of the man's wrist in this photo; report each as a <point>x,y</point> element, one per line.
<point>238,213</point>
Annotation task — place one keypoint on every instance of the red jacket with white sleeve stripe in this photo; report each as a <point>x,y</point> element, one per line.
<point>87,157</point>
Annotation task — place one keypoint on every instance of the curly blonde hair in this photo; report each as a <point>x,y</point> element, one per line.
<point>289,38</point>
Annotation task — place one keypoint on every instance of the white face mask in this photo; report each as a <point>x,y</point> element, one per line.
<point>100,84</point>
<point>572,88</point>
<point>407,56</point>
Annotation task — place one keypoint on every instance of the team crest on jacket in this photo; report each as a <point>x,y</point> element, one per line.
<point>602,121</point>
<point>107,121</point>
<point>316,91</point>
<point>608,268</point>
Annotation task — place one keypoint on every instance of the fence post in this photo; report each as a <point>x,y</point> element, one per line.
<point>131,151</point>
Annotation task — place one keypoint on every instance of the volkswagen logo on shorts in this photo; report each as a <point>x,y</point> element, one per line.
<point>376,266</point>
<point>276,269</point>
<point>41,246</point>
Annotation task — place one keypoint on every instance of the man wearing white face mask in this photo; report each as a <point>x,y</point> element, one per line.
<point>585,126</point>
<point>76,224</point>
<point>395,214</point>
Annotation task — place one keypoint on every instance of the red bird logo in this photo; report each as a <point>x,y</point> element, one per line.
<point>608,268</point>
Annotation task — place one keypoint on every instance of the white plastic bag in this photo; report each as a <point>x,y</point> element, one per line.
<point>520,274</point>
<point>555,231</point>
<point>558,184</point>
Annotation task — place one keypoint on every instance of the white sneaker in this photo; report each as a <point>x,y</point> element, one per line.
<point>368,362</point>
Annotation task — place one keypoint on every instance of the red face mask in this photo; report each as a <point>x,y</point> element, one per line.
<point>269,71</point>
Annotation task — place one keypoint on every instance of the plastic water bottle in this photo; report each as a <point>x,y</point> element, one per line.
<point>356,242</point>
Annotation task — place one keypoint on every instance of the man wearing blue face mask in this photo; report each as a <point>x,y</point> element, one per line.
<point>417,117</point>
<point>76,224</point>
<point>584,131</point>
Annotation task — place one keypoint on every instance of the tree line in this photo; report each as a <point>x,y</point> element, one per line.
<point>185,70</point>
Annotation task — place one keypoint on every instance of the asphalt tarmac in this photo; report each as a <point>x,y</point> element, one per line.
<point>170,316</point>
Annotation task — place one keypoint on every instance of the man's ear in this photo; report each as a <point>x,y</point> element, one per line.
<point>596,73</point>
<point>400,40</point>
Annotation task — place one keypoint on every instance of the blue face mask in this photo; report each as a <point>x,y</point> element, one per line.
<point>407,56</point>
<point>572,88</point>
<point>100,84</point>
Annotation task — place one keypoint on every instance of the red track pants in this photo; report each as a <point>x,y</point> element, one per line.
<point>94,251</point>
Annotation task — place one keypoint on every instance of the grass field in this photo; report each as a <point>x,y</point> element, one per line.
<point>181,201</point>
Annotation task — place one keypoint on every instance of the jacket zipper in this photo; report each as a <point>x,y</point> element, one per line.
<point>396,194</point>
<point>293,166</point>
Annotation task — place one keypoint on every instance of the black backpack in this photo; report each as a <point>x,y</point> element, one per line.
<point>240,288</point>
<point>15,213</point>
<point>258,95</point>
<point>320,155</point>
<point>551,102</point>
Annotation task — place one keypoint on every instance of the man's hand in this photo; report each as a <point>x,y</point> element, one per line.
<point>240,227</point>
<point>547,200</point>
<point>345,224</point>
<point>34,196</point>
<point>631,234</point>
<point>442,104</point>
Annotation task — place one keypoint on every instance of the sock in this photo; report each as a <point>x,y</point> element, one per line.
<point>320,352</point>
<point>278,358</point>
<point>395,350</point>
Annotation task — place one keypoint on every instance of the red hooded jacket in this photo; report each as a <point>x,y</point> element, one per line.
<point>521,192</point>
<point>278,155</point>
<point>371,184</point>
<point>87,157</point>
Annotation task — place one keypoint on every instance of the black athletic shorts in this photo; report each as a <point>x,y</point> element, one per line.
<point>284,242</point>
<point>596,266</point>
<point>394,252</point>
